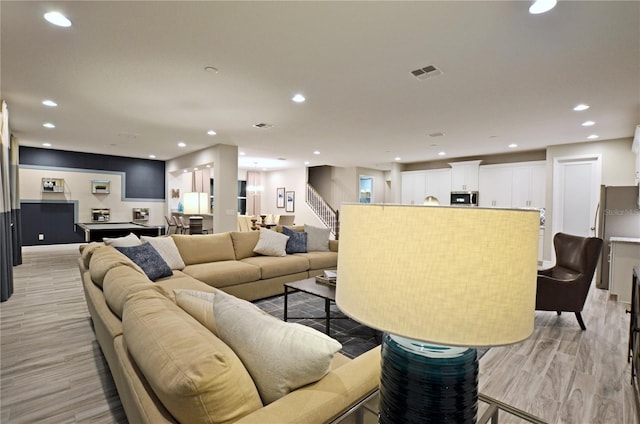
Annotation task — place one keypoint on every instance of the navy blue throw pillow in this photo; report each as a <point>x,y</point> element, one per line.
<point>297,242</point>
<point>148,258</point>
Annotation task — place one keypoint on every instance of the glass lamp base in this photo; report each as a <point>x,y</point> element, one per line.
<point>427,383</point>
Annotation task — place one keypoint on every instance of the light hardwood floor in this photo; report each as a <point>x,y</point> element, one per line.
<point>52,371</point>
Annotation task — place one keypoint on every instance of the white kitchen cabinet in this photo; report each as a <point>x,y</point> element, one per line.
<point>625,254</point>
<point>438,184</point>
<point>413,187</point>
<point>528,187</point>
<point>464,175</point>
<point>416,185</point>
<point>494,186</point>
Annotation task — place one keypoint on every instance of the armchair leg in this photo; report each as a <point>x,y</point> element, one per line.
<point>558,312</point>
<point>579,317</point>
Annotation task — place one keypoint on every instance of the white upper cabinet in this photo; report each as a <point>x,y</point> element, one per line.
<point>529,183</point>
<point>438,184</point>
<point>495,186</point>
<point>416,185</point>
<point>464,175</point>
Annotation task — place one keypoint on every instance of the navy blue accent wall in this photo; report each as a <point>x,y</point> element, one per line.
<point>144,177</point>
<point>54,220</point>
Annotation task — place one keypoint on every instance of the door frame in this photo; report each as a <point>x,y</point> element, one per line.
<point>559,164</point>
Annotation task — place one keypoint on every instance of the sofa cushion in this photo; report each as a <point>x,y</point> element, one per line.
<point>196,376</point>
<point>126,241</point>
<point>297,242</point>
<point>107,257</point>
<point>224,273</point>
<point>198,249</point>
<point>280,356</point>
<point>320,260</point>
<point>167,248</point>
<point>317,238</point>
<point>147,258</point>
<point>199,305</point>
<point>278,266</point>
<point>271,243</point>
<point>244,242</point>
<point>119,283</point>
<point>86,250</point>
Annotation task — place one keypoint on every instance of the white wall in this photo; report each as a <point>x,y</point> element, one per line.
<point>78,187</point>
<point>292,180</point>
<point>618,169</point>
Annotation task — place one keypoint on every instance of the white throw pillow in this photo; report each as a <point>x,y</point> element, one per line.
<point>280,356</point>
<point>126,241</point>
<point>167,248</point>
<point>199,305</point>
<point>317,238</point>
<point>271,243</point>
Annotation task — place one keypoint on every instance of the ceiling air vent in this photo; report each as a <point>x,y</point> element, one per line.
<point>426,72</point>
<point>262,125</point>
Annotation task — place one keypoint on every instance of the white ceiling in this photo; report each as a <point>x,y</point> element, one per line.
<point>129,77</point>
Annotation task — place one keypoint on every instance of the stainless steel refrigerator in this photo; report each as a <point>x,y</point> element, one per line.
<point>618,216</point>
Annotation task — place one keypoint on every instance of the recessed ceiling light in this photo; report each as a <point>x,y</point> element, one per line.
<point>588,123</point>
<point>211,132</point>
<point>581,107</point>
<point>48,125</point>
<point>152,156</point>
<point>182,144</point>
<point>264,169</point>
<point>436,134</point>
<point>184,170</point>
<point>49,103</point>
<point>317,152</point>
<point>306,162</point>
<point>542,6</point>
<point>242,153</point>
<point>211,69</point>
<point>441,153</point>
<point>398,158</point>
<point>593,136</point>
<point>208,166</point>
<point>512,145</point>
<point>46,144</point>
<point>298,98</point>
<point>58,19</point>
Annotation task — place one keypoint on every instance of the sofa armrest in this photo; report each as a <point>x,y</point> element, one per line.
<point>333,245</point>
<point>325,399</point>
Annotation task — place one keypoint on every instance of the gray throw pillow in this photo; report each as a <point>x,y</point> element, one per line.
<point>317,238</point>
<point>147,258</point>
<point>297,242</point>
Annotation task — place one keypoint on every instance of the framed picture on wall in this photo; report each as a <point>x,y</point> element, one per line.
<point>290,201</point>
<point>280,197</point>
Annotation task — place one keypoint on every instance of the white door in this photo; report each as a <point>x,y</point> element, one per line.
<point>576,191</point>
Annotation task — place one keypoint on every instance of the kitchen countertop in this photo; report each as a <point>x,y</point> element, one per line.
<point>625,239</point>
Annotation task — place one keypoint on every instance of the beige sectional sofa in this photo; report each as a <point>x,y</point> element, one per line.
<point>167,363</point>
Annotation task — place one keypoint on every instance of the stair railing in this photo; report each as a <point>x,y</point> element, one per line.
<point>323,211</point>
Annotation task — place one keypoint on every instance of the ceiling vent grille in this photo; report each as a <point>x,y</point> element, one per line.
<point>426,72</point>
<point>262,125</point>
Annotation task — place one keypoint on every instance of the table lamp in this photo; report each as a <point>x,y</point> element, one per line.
<point>439,282</point>
<point>196,203</point>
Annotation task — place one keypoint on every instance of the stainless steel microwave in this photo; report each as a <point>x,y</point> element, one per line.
<point>464,198</point>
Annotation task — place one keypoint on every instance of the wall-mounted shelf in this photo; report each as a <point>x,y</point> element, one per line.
<point>53,185</point>
<point>100,215</point>
<point>100,186</point>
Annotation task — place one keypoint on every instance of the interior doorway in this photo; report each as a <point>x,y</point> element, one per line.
<point>365,189</point>
<point>576,191</point>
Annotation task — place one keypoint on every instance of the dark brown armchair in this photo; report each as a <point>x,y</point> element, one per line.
<point>564,287</point>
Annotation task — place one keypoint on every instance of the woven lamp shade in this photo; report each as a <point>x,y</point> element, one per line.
<point>458,276</point>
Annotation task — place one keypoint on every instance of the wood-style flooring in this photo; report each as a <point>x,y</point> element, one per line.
<point>52,371</point>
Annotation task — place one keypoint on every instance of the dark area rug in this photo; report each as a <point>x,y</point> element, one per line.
<point>355,337</point>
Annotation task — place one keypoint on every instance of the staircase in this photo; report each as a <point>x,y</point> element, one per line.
<point>323,211</point>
